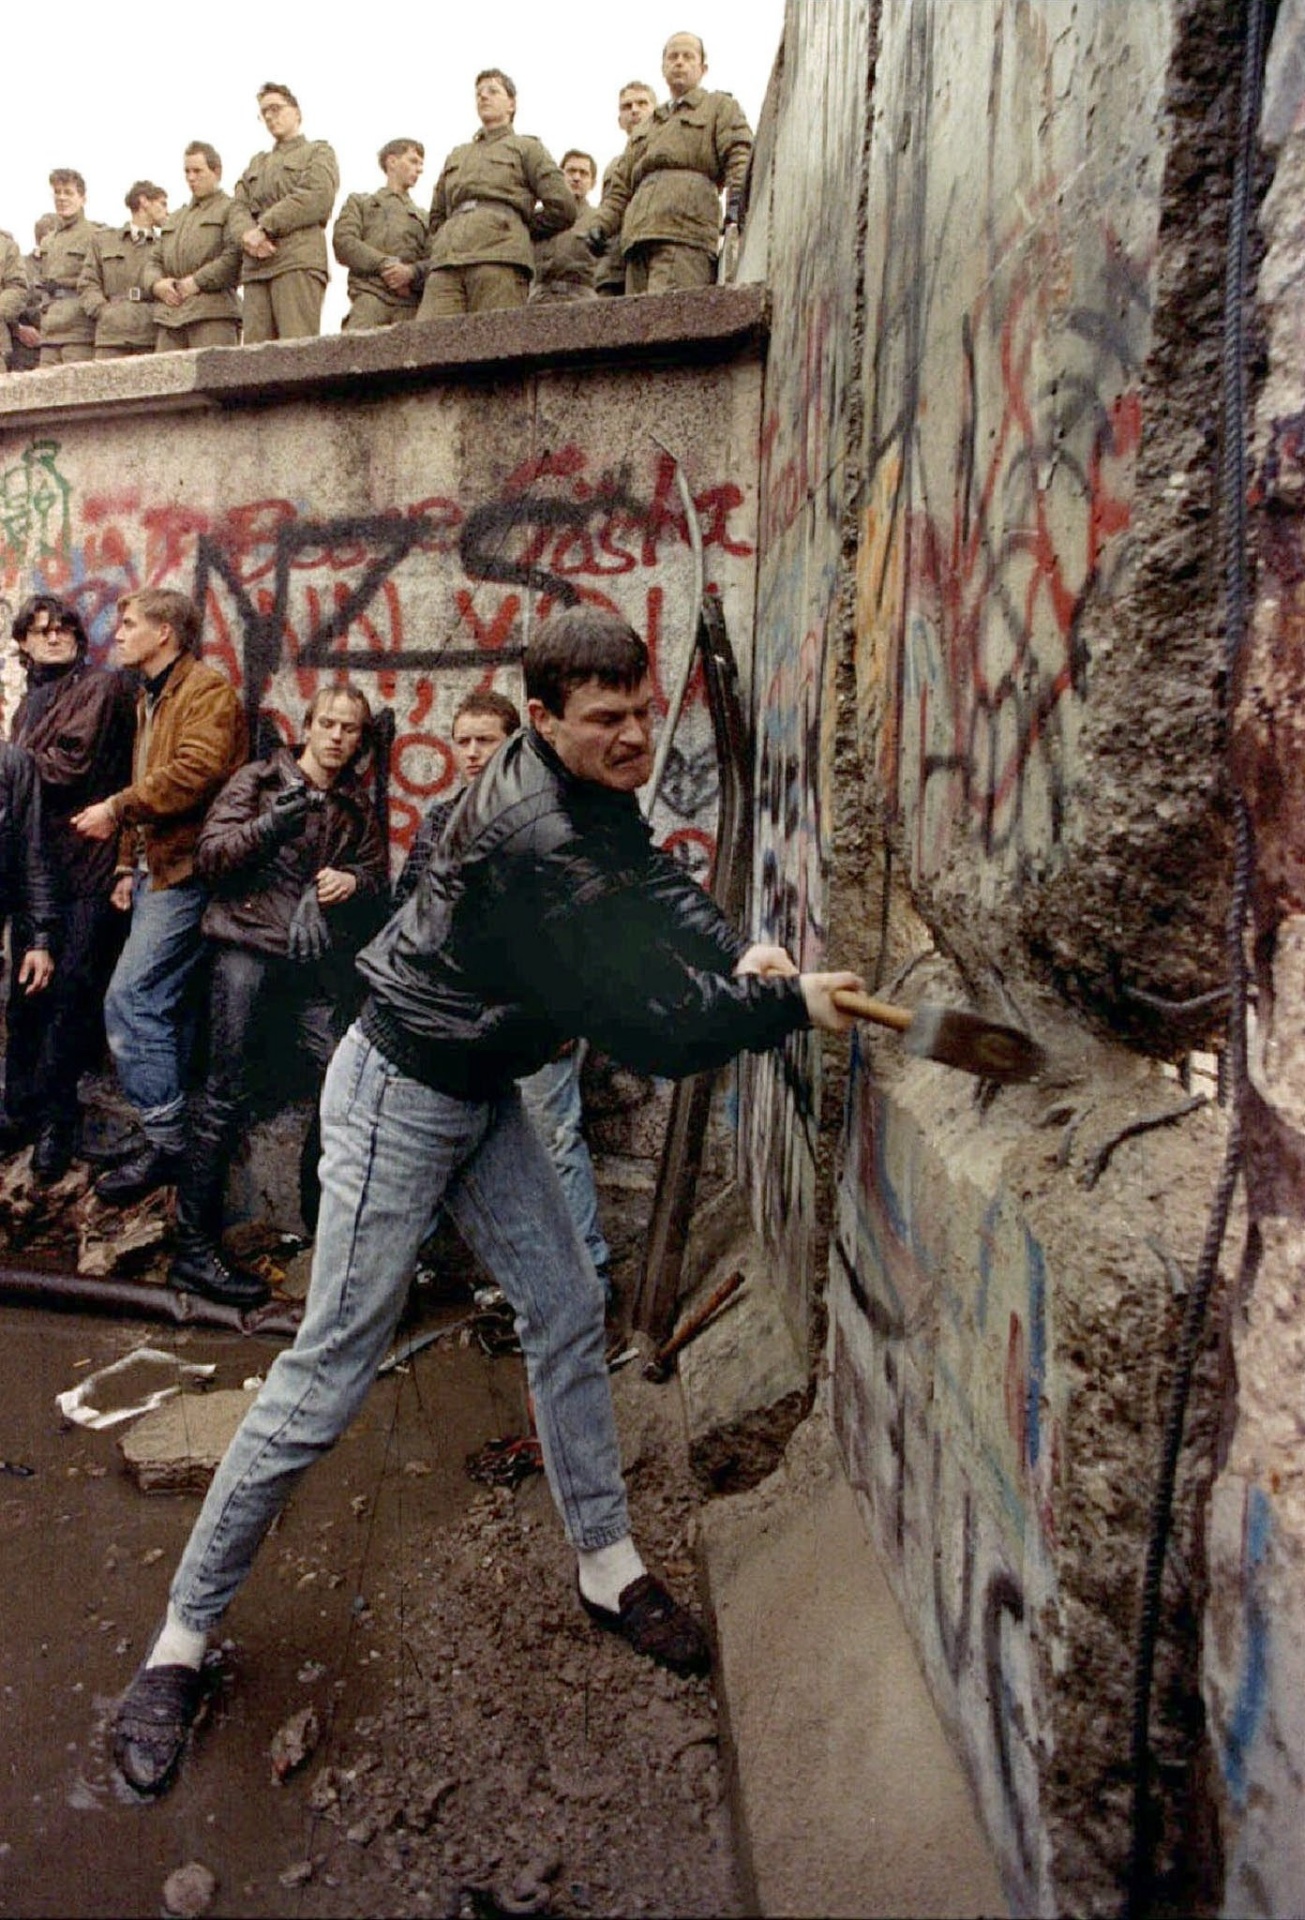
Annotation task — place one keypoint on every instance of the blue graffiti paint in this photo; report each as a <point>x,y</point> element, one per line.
<point>1253,1688</point>
<point>1037,1270</point>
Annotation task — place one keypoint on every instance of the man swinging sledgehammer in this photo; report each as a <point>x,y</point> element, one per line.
<point>545,913</point>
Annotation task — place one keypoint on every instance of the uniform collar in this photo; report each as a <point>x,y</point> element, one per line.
<point>494,133</point>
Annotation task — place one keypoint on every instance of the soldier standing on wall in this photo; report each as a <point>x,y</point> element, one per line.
<point>283,201</point>
<point>67,330</point>
<point>635,103</point>
<point>564,266</point>
<point>495,194</point>
<point>663,194</point>
<point>118,274</point>
<point>25,353</point>
<point>381,238</point>
<point>197,261</point>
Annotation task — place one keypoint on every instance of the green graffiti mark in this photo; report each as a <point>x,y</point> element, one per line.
<point>34,508</point>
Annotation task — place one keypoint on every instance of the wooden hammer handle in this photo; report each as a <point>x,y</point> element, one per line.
<point>851,1000</point>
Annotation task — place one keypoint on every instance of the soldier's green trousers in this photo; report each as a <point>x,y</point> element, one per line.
<point>452,290</point>
<point>286,307</point>
<point>665,266</point>
<point>200,333</point>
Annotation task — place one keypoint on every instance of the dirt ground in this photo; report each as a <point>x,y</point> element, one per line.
<point>482,1747</point>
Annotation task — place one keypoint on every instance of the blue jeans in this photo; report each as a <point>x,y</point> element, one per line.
<point>148,1010</point>
<point>552,1098</point>
<point>392,1152</point>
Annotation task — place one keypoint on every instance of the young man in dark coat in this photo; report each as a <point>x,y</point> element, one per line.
<point>77,722</point>
<point>545,912</point>
<point>292,850</point>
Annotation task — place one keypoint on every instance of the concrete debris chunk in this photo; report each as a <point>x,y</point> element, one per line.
<point>176,1449</point>
<point>188,1891</point>
<point>293,1743</point>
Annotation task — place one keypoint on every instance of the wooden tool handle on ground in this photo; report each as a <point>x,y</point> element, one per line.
<point>852,1000</point>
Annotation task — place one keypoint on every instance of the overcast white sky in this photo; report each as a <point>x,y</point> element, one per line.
<point>88,90</point>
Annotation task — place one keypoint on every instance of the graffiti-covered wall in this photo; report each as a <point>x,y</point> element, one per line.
<point>988,701</point>
<point>411,546</point>
<point>808,435</point>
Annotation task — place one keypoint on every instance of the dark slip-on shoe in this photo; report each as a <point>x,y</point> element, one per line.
<point>150,1728</point>
<point>655,1624</point>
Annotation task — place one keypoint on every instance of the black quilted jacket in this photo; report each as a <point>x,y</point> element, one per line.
<point>545,911</point>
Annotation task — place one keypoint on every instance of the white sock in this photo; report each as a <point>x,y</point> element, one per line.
<point>177,1645</point>
<point>605,1572</point>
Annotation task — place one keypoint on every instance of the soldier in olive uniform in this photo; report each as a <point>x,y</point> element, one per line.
<point>663,196</point>
<point>381,238</point>
<point>635,103</point>
<point>496,194</point>
<point>14,294</point>
<point>119,272</point>
<point>67,330</point>
<point>197,263</point>
<point>564,266</point>
<point>25,353</point>
<point>283,201</point>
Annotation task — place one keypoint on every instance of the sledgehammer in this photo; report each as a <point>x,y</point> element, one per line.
<point>951,1036</point>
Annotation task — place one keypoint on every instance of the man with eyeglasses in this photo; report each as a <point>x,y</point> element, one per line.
<point>76,721</point>
<point>283,201</point>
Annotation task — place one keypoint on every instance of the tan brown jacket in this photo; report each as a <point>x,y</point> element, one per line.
<point>289,192</point>
<point>15,294</point>
<point>115,288</point>
<point>197,240</point>
<point>666,186</point>
<point>197,741</point>
<point>495,193</point>
<point>64,254</point>
<point>373,228</point>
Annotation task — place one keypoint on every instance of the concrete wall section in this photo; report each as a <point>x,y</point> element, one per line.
<point>1255,1621</point>
<point>412,545</point>
<point>1035,701</point>
<point>807,436</point>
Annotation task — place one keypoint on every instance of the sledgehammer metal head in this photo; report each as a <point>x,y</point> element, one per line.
<point>952,1037</point>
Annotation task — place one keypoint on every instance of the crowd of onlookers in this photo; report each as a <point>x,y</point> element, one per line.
<point>506,224</point>
<point>151,874</point>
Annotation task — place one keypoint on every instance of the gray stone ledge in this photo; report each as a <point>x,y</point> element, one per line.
<point>715,323</point>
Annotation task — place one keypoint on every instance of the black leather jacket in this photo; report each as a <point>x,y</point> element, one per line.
<point>545,912</point>
<point>26,878</point>
<point>256,888</point>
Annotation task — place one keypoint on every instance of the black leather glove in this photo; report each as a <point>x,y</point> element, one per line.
<point>733,209</point>
<point>287,815</point>
<point>310,937</point>
<point>596,241</point>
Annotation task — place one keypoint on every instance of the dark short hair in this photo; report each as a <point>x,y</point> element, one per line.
<point>68,177</point>
<point>583,643</point>
<point>25,618</point>
<point>209,152</point>
<point>277,86</point>
<point>497,73</point>
<point>163,607</point>
<point>142,190</point>
<point>578,153</point>
<point>638,86</point>
<point>392,148</point>
<point>486,701</point>
<point>344,690</point>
